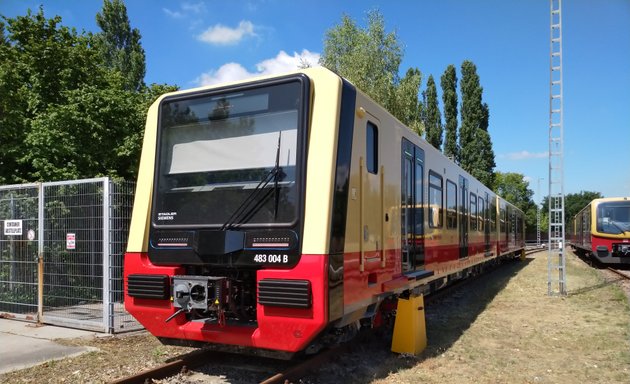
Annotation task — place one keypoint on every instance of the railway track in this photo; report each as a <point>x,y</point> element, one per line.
<point>619,272</point>
<point>169,369</point>
<point>188,362</point>
<point>293,370</point>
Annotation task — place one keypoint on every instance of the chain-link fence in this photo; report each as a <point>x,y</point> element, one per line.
<point>65,265</point>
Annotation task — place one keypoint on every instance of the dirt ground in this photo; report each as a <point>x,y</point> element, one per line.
<point>502,328</point>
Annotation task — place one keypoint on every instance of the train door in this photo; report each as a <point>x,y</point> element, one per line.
<point>486,220</point>
<point>463,217</point>
<point>509,233</point>
<point>371,193</point>
<point>412,207</point>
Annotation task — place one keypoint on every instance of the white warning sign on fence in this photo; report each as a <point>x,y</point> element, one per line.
<point>70,241</point>
<point>13,227</point>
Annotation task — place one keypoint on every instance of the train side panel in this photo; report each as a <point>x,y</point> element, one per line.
<point>448,225</point>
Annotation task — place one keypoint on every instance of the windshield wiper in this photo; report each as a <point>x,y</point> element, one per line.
<point>612,222</point>
<point>252,202</point>
<point>276,179</point>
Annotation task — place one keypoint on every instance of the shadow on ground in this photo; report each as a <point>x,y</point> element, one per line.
<point>446,320</point>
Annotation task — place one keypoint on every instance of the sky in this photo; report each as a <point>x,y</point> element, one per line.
<point>199,42</point>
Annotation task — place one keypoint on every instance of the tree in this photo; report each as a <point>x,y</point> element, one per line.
<point>573,203</point>
<point>476,156</point>
<point>370,58</point>
<point>406,106</point>
<point>119,44</point>
<point>433,122</point>
<point>485,157</point>
<point>89,134</point>
<point>513,188</point>
<point>448,82</point>
<point>3,39</point>
<point>40,61</point>
<point>63,112</point>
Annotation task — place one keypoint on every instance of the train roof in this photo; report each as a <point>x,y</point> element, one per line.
<point>317,72</point>
<point>608,199</point>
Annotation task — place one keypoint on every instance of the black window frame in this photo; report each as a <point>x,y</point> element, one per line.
<point>440,189</point>
<point>481,206</point>
<point>451,214</point>
<point>371,147</point>
<point>302,137</point>
<point>473,213</point>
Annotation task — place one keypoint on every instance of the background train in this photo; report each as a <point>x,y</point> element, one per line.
<point>602,230</point>
<point>282,214</point>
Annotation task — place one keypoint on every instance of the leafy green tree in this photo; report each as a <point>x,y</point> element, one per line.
<point>448,82</point>
<point>120,44</point>
<point>3,39</point>
<point>406,106</point>
<point>476,156</point>
<point>433,122</point>
<point>91,134</point>
<point>40,61</point>
<point>513,188</point>
<point>485,157</point>
<point>370,58</point>
<point>64,113</point>
<point>573,203</point>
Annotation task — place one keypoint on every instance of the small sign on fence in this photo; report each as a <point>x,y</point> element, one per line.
<point>13,227</point>
<point>70,241</point>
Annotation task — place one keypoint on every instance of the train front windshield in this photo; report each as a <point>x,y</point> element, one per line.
<point>230,158</point>
<point>613,217</point>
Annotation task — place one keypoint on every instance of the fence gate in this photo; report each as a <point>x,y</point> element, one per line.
<point>18,255</point>
<point>79,228</point>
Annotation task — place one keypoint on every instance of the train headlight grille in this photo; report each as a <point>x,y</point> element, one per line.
<point>148,286</point>
<point>285,293</point>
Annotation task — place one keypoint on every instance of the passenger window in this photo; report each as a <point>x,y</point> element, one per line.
<point>482,213</point>
<point>435,200</point>
<point>371,148</point>
<point>451,205</point>
<point>473,212</point>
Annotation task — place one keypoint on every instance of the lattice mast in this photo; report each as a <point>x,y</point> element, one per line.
<point>556,259</point>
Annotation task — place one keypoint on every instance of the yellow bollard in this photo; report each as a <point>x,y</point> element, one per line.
<point>410,333</point>
<point>523,254</point>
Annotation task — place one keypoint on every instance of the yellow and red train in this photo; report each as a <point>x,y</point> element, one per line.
<point>602,230</point>
<point>281,213</point>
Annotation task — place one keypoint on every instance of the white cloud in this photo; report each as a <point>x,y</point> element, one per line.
<point>221,35</point>
<point>524,155</point>
<point>194,7</point>
<point>279,64</point>
<point>185,10</point>
<point>285,63</point>
<point>173,14</point>
<point>226,73</point>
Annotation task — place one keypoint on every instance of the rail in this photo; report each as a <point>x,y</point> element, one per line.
<point>299,369</point>
<point>622,273</point>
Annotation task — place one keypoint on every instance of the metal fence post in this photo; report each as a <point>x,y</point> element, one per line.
<point>40,253</point>
<point>106,262</point>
